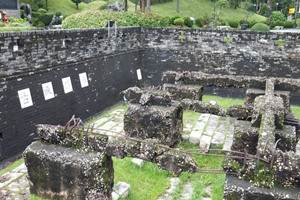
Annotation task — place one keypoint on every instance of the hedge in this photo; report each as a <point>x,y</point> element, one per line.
<point>260,27</point>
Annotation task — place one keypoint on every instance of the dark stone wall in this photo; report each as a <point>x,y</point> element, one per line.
<point>249,53</point>
<point>107,74</point>
<point>110,62</point>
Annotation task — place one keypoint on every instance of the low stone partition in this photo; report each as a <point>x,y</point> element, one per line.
<point>180,92</point>
<point>220,80</point>
<point>58,172</point>
<point>159,122</point>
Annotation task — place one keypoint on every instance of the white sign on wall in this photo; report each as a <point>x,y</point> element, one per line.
<point>25,98</point>
<point>67,84</point>
<point>48,90</point>
<point>139,74</point>
<point>83,80</point>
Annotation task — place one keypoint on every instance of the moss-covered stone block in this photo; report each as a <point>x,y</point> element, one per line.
<point>179,92</point>
<point>58,172</point>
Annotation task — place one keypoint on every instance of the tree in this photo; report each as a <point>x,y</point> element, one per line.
<point>77,2</point>
<point>125,5</point>
<point>143,5</point>
<point>148,6</point>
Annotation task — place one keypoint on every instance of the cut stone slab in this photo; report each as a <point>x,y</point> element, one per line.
<point>159,122</point>
<point>137,161</point>
<point>240,189</point>
<point>121,191</point>
<point>205,143</point>
<point>9,177</point>
<point>64,173</point>
<point>187,191</point>
<point>180,92</point>
<point>198,129</point>
<point>100,122</point>
<point>108,125</point>
<point>229,138</point>
<point>220,132</point>
<point>173,184</point>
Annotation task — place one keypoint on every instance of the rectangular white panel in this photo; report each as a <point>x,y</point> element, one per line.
<point>25,98</point>
<point>48,90</point>
<point>83,80</point>
<point>67,84</point>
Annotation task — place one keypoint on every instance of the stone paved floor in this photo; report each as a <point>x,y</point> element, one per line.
<point>208,131</point>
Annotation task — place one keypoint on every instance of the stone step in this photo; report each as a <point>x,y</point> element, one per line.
<point>173,185</point>
<point>187,191</point>
<point>206,137</point>
<point>229,138</point>
<point>220,132</point>
<point>198,129</point>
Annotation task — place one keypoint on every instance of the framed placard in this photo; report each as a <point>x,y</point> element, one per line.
<point>25,98</point>
<point>67,84</point>
<point>48,90</point>
<point>83,80</point>
<point>139,74</point>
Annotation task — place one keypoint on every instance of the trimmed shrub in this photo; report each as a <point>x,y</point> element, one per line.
<point>223,4</point>
<point>233,23</point>
<point>173,19</point>
<point>289,24</point>
<point>251,23</point>
<point>42,10</point>
<point>179,22</point>
<point>2,24</point>
<point>260,27</point>
<point>58,14</point>
<point>188,22</point>
<point>278,23</point>
<point>198,22</point>
<point>41,17</point>
<point>97,19</point>
<point>277,16</point>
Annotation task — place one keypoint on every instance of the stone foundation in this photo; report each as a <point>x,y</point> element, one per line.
<point>180,92</point>
<point>57,172</point>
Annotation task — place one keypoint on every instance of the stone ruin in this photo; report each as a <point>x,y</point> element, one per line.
<point>74,162</point>
<point>266,137</point>
<point>266,134</point>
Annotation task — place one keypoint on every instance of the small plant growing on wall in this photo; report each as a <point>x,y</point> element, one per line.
<point>181,37</point>
<point>280,42</point>
<point>228,40</point>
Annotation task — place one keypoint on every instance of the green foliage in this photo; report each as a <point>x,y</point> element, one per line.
<point>234,3</point>
<point>40,19</point>
<point>289,24</point>
<point>188,22</point>
<point>233,23</point>
<point>223,4</point>
<point>58,14</point>
<point>2,24</point>
<point>228,40</point>
<point>277,16</point>
<point>98,19</point>
<point>77,2</point>
<point>22,14</point>
<point>264,10</point>
<point>251,23</point>
<point>179,22</point>
<point>153,2</point>
<point>223,102</point>
<point>35,4</point>
<point>280,42</point>
<point>278,23</point>
<point>181,37</point>
<point>206,19</point>
<point>260,27</point>
<point>198,22</point>
<point>172,19</point>
<point>220,22</point>
<point>42,10</point>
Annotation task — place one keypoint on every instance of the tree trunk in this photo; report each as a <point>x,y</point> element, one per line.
<point>136,2</point>
<point>125,5</point>
<point>148,6</point>
<point>177,7</point>
<point>143,5</point>
<point>77,6</point>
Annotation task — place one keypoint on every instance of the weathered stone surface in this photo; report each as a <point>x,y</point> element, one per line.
<point>204,107</point>
<point>238,111</point>
<point>177,163</point>
<point>162,123</point>
<point>116,147</point>
<point>133,94</point>
<point>288,138</point>
<point>287,169</point>
<point>121,191</point>
<point>64,173</point>
<point>187,104</point>
<point>150,98</point>
<point>236,189</point>
<point>252,93</point>
<point>179,92</point>
<point>245,136</point>
<point>150,150</point>
<point>115,7</point>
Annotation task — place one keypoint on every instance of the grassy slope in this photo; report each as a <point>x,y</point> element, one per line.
<point>66,7</point>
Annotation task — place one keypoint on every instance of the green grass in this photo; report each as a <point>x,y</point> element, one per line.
<point>198,8</point>
<point>16,164</point>
<point>296,111</point>
<point>66,7</point>
<point>223,102</point>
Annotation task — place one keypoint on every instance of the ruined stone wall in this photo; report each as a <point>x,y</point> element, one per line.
<point>220,52</point>
<point>110,65</point>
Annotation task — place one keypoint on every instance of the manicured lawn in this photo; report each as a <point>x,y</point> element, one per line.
<point>223,102</point>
